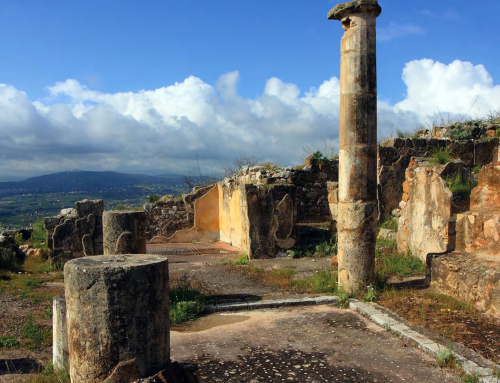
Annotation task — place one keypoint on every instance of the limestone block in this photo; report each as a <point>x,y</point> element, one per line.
<point>424,223</point>
<point>124,232</point>
<point>60,352</point>
<point>117,317</point>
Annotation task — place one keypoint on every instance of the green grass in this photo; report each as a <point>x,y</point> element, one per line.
<point>186,303</point>
<point>36,335</point>
<point>241,260</point>
<point>185,311</point>
<point>442,155</point>
<point>390,262</point>
<point>460,186</point>
<point>322,281</point>
<point>404,134</point>
<point>8,342</point>
<point>390,223</point>
<point>49,375</point>
<point>470,378</point>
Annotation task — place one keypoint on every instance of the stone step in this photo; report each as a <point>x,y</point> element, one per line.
<point>469,277</point>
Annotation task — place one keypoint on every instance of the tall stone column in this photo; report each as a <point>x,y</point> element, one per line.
<point>357,209</point>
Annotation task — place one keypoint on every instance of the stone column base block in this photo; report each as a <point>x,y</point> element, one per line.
<point>117,317</point>
<point>60,353</point>
<point>124,232</point>
<point>356,240</point>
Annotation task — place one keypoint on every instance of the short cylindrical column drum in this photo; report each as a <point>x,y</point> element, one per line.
<point>124,232</point>
<point>117,317</point>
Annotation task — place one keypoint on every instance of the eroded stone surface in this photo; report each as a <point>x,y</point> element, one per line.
<point>469,278</point>
<point>124,232</point>
<point>76,235</point>
<point>426,209</point>
<point>117,316</point>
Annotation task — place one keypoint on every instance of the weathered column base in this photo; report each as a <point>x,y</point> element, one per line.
<point>357,227</point>
<point>117,317</point>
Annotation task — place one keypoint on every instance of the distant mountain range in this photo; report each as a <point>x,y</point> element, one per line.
<point>85,181</point>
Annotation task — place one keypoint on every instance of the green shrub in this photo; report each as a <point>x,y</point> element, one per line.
<point>459,132</point>
<point>18,239</point>
<point>460,186</point>
<point>371,294</point>
<point>152,198</point>
<point>322,160</point>
<point>185,311</point>
<point>442,155</point>
<point>446,358</point>
<point>343,299</point>
<point>186,303</point>
<point>325,249</point>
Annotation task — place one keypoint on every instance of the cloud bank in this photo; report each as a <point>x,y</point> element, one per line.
<point>161,130</point>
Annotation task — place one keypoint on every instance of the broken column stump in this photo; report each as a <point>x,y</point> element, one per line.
<point>357,208</point>
<point>60,353</point>
<point>124,232</point>
<point>117,317</point>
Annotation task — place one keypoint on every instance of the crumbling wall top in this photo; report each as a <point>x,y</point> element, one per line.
<point>358,6</point>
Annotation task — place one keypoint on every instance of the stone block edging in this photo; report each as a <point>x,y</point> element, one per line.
<point>486,375</point>
<point>370,311</point>
<point>269,304</point>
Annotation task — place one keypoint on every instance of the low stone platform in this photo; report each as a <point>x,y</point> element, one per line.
<point>468,276</point>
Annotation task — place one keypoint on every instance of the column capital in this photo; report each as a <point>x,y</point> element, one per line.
<point>358,6</point>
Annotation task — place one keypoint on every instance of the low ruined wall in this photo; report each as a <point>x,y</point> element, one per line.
<point>259,220</point>
<point>394,156</point>
<point>206,220</point>
<point>164,218</point>
<point>77,234</point>
<point>310,182</point>
<point>468,278</point>
<point>478,230</point>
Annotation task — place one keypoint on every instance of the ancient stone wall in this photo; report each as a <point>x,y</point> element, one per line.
<point>310,182</point>
<point>77,234</point>
<point>164,218</point>
<point>394,156</point>
<point>258,219</point>
<point>206,221</point>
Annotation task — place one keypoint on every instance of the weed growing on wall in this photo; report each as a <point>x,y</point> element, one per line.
<point>442,155</point>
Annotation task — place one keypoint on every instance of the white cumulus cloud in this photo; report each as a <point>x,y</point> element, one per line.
<point>160,130</point>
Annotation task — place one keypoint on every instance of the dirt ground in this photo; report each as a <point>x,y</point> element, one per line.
<point>314,343</point>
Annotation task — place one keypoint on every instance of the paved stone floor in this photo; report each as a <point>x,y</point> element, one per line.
<point>301,344</point>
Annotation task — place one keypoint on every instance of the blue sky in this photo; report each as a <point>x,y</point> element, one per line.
<point>139,86</point>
